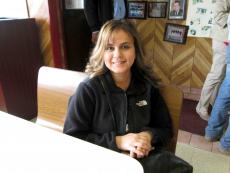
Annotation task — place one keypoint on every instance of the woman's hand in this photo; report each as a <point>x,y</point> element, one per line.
<point>138,144</point>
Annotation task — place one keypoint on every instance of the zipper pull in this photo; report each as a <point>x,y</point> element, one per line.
<point>127,128</point>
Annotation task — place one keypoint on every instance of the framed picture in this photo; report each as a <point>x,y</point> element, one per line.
<point>175,33</point>
<point>177,9</point>
<point>136,9</point>
<point>157,9</point>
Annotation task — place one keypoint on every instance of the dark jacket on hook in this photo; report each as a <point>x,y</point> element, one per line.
<point>98,12</point>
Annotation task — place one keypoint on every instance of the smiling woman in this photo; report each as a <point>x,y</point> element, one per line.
<point>13,9</point>
<point>119,106</point>
<point>119,57</point>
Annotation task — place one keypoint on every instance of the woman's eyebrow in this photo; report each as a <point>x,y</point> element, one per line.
<point>126,42</point>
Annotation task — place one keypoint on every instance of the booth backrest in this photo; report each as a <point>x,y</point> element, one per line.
<point>55,86</point>
<point>173,97</point>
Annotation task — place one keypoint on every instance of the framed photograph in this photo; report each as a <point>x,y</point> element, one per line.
<point>157,9</point>
<point>177,9</point>
<point>175,33</point>
<point>136,9</point>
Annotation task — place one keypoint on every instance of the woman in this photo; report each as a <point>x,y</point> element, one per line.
<point>119,107</point>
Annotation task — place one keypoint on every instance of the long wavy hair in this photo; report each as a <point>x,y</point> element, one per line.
<point>96,65</point>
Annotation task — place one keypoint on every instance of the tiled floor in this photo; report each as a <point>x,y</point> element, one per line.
<point>197,141</point>
<point>204,156</point>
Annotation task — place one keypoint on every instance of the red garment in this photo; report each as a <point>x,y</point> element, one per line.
<point>226,43</point>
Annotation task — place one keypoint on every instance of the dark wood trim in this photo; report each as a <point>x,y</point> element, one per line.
<point>56,34</point>
<point>2,100</point>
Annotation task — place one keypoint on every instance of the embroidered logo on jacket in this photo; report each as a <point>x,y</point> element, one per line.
<point>142,103</point>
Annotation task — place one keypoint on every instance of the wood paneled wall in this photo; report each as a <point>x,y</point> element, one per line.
<point>40,11</point>
<point>48,15</point>
<point>183,65</point>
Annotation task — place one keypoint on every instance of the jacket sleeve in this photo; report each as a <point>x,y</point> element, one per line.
<point>79,120</point>
<point>92,14</point>
<point>221,12</point>
<point>160,123</point>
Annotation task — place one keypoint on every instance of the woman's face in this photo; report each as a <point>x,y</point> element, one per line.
<point>119,53</point>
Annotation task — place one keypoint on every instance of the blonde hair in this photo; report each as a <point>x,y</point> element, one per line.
<point>96,65</point>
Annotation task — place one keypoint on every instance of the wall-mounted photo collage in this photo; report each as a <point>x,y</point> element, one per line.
<point>171,10</point>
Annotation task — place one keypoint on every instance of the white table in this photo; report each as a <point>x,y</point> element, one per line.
<point>29,148</point>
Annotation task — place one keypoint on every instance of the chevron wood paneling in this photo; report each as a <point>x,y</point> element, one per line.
<point>147,37</point>
<point>163,54</point>
<point>202,62</point>
<point>183,65</point>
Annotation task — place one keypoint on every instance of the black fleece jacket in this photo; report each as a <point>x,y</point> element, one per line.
<point>142,107</point>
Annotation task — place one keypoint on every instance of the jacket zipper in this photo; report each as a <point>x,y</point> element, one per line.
<point>125,124</point>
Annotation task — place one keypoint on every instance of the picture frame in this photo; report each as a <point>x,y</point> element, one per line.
<point>177,9</point>
<point>136,9</point>
<point>176,33</point>
<point>157,9</point>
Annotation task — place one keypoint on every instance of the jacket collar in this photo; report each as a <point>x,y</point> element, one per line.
<point>137,86</point>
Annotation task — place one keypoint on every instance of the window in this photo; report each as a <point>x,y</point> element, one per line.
<point>13,9</point>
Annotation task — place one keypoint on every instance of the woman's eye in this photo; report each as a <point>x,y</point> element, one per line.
<point>125,46</point>
<point>110,48</point>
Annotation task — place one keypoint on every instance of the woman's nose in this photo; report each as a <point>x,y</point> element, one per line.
<point>117,53</point>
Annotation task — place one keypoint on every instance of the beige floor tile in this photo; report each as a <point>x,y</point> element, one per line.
<point>184,137</point>
<point>215,148</point>
<point>199,142</point>
<point>203,161</point>
<point>184,151</point>
<point>208,162</point>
